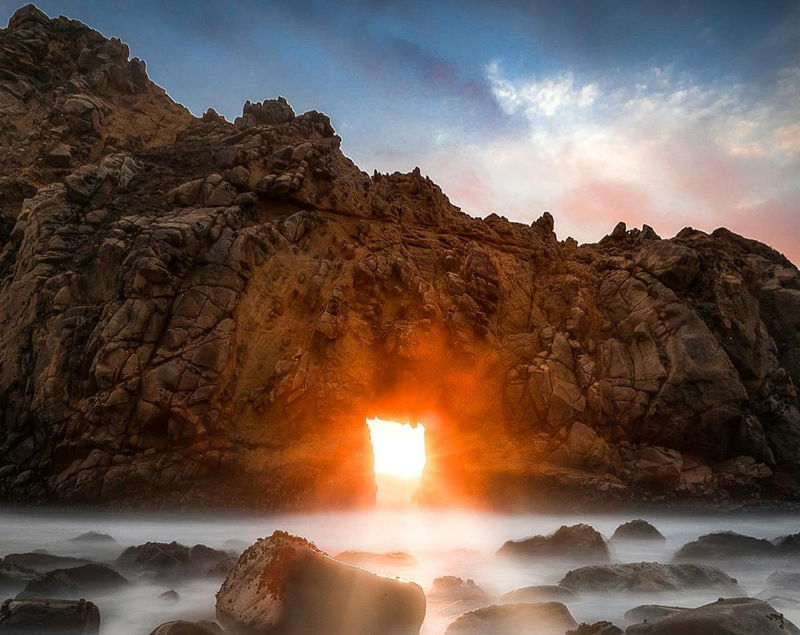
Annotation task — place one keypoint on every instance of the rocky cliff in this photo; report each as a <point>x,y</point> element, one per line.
<point>203,312</point>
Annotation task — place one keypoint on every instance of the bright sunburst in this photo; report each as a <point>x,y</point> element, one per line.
<point>399,449</point>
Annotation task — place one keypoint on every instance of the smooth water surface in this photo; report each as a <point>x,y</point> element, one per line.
<point>457,543</point>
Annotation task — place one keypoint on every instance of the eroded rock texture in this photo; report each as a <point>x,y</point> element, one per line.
<point>197,311</point>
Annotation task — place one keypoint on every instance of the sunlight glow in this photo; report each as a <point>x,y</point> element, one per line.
<point>399,448</point>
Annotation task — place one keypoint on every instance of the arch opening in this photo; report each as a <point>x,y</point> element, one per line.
<point>399,459</point>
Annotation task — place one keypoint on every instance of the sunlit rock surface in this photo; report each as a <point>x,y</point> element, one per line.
<point>203,312</point>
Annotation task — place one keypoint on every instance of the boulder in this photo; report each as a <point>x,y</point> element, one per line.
<point>637,530</point>
<point>574,541</point>
<point>41,561</point>
<point>170,560</point>
<point>788,545</point>
<point>13,577</point>
<point>284,584</point>
<point>181,627</point>
<point>451,588</point>
<point>50,617</point>
<point>675,264</point>
<point>735,616</point>
<point>724,546</point>
<point>540,593</point>
<point>170,597</point>
<point>598,628</point>
<point>784,580</point>
<point>375,560</point>
<point>538,618</point>
<point>73,583</point>
<point>648,577</point>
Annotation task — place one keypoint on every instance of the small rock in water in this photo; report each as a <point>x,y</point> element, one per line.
<point>540,593</point>
<point>93,537</point>
<point>367,559</point>
<point>285,584</point>
<point>736,616</point>
<point>574,541</point>
<point>725,545</point>
<point>170,560</point>
<point>452,588</point>
<point>539,618</point>
<point>637,530</point>
<point>49,617</point>
<point>170,596</point>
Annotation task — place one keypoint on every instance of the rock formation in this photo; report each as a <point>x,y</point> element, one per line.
<point>203,312</point>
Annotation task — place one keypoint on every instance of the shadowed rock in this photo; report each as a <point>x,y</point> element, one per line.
<point>724,546</point>
<point>172,560</point>
<point>94,537</point>
<point>651,613</point>
<point>598,628</point>
<point>73,583</point>
<point>574,541</point>
<point>181,627</point>
<point>284,584</point>
<point>541,593</point>
<point>41,561</point>
<point>53,617</point>
<point>637,530</point>
<point>648,577</point>
<point>736,616</point>
<point>541,618</point>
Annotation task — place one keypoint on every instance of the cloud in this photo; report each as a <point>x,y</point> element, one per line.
<point>658,147</point>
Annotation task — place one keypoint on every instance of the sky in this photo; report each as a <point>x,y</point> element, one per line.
<point>672,114</point>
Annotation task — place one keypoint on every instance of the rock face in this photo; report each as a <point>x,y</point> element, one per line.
<point>284,584</point>
<point>574,541</point>
<point>54,617</point>
<point>540,618</point>
<point>649,577</point>
<point>736,616</point>
<point>203,312</point>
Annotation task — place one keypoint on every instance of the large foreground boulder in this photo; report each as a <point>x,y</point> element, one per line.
<point>573,541</point>
<point>538,618</point>
<point>649,577</point>
<point>725,545</point>
<point>49,617</point>
<point>284,584</point>
<point>735,616</point>
<point>74,583</point>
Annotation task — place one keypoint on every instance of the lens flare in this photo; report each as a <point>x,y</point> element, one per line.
<point>399,449</point>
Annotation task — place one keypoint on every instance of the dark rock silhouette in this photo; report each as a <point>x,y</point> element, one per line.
<point>574,541</point>
<point>648,577</point>
<point>637,530</point>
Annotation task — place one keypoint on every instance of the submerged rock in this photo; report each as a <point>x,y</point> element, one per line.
<point>598,628</point>
<point>452,588</point>
<point>538,618</point>
<point>637,530</point>
<point>50,617</point>
<point>13,577</point>
<point>285,584</point>
<point>181,627</point>
<point>170,560</point>
<point>94,537</point>
<point>649,577</point>
<point>540,593</point>
<point>171,596</point>
<point>73,583</point>
<point>724,546</point>
<point>574,541</point>
<point>369,559</point>
<point>736,616</point>
<point>41,561</point>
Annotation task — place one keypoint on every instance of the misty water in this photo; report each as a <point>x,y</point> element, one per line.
<point>456,543</point>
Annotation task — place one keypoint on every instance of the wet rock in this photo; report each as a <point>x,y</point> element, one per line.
<point>170,560</point>
<point>725,545</point>
<point>170,597</point>
<point>41,561</point>
<point>181,627</point>
<point>598,628</point>
<point>540,618</point>
<point>637,530</point>
<point>540,593</point>
<point>736,616</point>
<point>284,583</point>
<point>788,545</point>
<point>13,577</point>
<point>651,613</point>
<point>73,583</point>
<point>452,588</point>
<point>648,577</point>
<point>54,617</point>
<point>368,559</point>
<point>574,541</point>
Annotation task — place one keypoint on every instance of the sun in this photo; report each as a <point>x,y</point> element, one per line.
<point>399,448</point>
